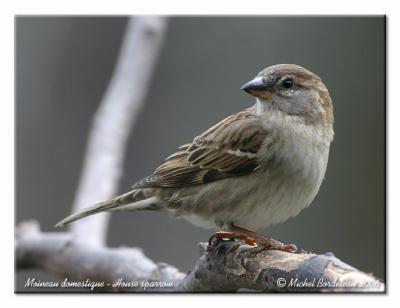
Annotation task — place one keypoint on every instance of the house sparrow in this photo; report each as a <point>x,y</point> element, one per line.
<point>254,169</point>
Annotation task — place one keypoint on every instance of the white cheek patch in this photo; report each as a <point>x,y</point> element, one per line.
<point>261,106</point>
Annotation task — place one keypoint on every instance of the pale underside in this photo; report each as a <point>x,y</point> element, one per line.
<point>254,178</point>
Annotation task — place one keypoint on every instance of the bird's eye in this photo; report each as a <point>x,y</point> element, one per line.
<point>287,83</point>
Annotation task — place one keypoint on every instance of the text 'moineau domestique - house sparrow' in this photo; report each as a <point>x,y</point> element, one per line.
<point>253,169</point>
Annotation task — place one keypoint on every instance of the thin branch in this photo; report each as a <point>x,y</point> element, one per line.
<point>61,254</point>
<point>117,113</point>
<point>225,266</point>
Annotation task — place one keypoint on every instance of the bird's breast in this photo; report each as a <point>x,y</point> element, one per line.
<point>292,168</point>
<point>292,165</point>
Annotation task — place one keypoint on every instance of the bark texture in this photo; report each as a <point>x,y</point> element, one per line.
<point>224,266</point>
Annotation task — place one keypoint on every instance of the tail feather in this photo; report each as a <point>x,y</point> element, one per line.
<point>97,208</point>
<point>123,202</point>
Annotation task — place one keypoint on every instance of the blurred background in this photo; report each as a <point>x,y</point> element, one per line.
<point>63,66</point>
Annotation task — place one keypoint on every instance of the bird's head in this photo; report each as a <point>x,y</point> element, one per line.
<point>292,90</point>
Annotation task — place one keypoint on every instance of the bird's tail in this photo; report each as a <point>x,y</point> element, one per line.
<point>125,202</point>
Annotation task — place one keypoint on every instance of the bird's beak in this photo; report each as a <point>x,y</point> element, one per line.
<point>258,88</point>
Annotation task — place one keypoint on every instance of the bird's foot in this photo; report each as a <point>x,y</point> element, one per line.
<point>261,242</point>
<point>231,236</point>
<point>270,244</point>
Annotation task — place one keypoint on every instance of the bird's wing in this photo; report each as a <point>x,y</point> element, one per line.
<point>227,149</point>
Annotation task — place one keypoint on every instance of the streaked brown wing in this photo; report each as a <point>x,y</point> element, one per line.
<point>227,149</point>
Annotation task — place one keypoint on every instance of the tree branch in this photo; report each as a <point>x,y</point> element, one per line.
<point>117,113</point>
<point>225,266</point>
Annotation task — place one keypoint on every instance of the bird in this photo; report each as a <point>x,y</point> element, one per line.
<point>254,169</point>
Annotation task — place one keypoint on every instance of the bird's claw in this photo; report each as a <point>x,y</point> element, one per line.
<point>260,245</point>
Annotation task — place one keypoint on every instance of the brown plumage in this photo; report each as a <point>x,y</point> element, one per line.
<point>222,151</point>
